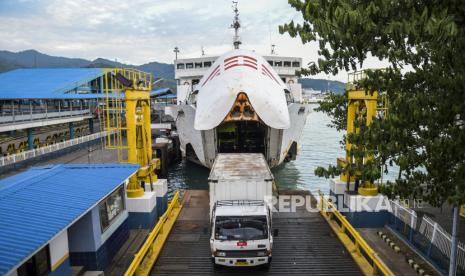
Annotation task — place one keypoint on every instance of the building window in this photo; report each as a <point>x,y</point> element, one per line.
<point>198,65</point>
<point>207,64</point>
<point>287,64</point>
<point>295,64</point>
<point>180,66</point>
<point>111,207</point>
<point>189,65</point>
<point>37,265</point>
<point>278,63</point>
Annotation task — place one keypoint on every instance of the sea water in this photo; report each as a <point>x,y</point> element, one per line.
<point>320,145</point>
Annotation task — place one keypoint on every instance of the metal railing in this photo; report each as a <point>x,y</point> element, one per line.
<point>441,239</point>
<point>425,235</point>
<point>32,116</point>
<point>363,254</point>
<point>147,255</point>
<point>407,216</point>
<point>22,156</point>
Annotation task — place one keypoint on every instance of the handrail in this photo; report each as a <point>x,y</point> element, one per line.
<point>21,156</point>
<point>145,258</point>
<point>367,259</point>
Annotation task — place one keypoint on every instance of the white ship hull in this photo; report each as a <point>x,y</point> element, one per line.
<point>271,123</point>
<point>201,146</point>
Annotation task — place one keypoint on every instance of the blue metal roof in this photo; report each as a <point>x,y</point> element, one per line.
<point>160,92</point>
<point>168,97</point>
<point>39,203</point>
<point>46,83</point>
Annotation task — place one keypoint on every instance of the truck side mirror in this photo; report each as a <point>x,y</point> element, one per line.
<point>275,232</point>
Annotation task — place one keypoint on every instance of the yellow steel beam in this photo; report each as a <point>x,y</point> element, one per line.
<point>360,103</point>
<point>365,257</point>
<point>150,250</point>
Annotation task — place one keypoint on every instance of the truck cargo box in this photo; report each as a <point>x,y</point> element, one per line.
<point>240,176</point>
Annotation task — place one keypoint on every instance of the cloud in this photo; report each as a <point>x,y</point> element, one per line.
<point>140,31</point>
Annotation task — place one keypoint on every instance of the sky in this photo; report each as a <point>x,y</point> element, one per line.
<point>141,31</point>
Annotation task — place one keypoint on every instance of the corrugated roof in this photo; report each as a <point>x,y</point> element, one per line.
<point>160,92</point>
<point>46,83</point>
<point>39,203</point>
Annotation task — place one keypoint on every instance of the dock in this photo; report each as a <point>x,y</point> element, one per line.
<point>306,245</point>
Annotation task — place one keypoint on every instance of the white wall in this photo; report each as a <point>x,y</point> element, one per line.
<point>59,250</point>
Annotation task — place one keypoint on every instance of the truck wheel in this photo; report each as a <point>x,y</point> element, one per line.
<point>267,265</point>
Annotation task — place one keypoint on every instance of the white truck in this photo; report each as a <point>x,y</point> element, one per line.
<point>240,210</point>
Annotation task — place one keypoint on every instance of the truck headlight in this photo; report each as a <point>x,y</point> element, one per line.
<point>220,254</point>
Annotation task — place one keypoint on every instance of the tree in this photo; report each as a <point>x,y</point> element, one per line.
<point>424,43</point>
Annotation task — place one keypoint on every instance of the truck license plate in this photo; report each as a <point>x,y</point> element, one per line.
<point>241,263</point>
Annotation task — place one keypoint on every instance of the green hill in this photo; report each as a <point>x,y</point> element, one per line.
<point>32,58</point>
<point>323,85</point>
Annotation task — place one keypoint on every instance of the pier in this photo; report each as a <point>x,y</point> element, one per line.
<point>306,245</point>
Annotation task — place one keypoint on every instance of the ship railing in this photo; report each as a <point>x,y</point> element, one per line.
<point>366,258</point>
<point>25,155</point>
<point>147,255</point>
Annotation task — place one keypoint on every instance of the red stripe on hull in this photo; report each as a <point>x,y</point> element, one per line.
<point>234,65</point>
<point>216,70</point>
<point>230,62</point>
<point>233,57</point>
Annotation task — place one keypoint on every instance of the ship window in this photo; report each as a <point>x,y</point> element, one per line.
<point>195,81</point>
<point>287,64</point>
<point>295,64</point>
<point>288,95</point>
<point>207,64</point>
<point>111,207</point>
<point>278,63</point>
<point>270,62</point>
<point>284,80</point>
<point>198,65</point>
<point>180,66</point>
<point>189,65</point>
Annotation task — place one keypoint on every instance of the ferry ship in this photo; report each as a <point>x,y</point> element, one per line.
<point>239,102</point>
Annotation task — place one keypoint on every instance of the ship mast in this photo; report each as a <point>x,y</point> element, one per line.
<point>236,25</point>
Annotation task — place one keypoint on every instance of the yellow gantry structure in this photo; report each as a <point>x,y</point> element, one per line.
<point>362,106</point>
<point>128,92</point>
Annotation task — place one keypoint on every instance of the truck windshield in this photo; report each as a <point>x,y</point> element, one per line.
<point>241,228</point>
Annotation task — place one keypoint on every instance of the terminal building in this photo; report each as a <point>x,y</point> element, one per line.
<point>42,108</point>
<point>59,216</point>
<point>33,101</point>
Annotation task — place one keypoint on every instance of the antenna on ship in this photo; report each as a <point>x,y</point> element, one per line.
<point>203,51</point>
<point>273,49</point>
<point>236,25</point>
<point>176,51</point>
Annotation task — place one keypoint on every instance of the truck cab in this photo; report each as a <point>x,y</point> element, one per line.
<point>241,233</point>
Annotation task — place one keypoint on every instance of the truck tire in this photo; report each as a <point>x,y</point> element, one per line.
<point>268,264</point>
